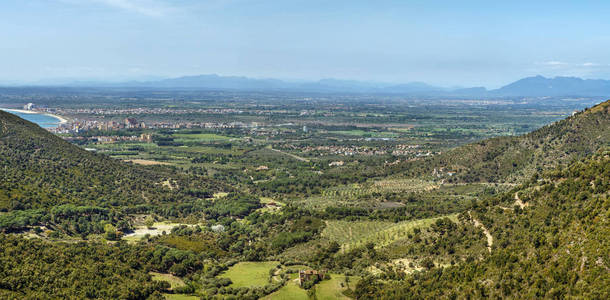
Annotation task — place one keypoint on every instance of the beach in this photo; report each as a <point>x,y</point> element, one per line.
<point>23,111</point>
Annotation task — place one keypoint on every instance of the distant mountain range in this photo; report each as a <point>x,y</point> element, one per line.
<point>537,86</point>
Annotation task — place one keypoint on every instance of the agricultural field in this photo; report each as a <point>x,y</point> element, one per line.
<point>352,234</point>
<point>324,290</point>
<point>335,287</point>
<point>291,290</point>
<point>249,274</point>
<point>199,137</point>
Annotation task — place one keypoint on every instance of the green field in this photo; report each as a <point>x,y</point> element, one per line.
<point>325,290</point>
<point>247,274</point>
<point>333,288</point>
<point>201,137</point>
<point>289,291</point>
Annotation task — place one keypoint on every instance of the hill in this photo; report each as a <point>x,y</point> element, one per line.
<point>558,86</point>
<point>41,171</point>
<point>553,243</point>
<point>512,159</point>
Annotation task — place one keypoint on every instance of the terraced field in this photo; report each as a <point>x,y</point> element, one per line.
<point>362,194</point>
<point>355,234</point>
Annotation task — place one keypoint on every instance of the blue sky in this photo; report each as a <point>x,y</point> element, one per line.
<point>449,43</point>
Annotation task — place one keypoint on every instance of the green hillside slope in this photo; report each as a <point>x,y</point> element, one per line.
<point>45,178</point>
<point>42,170</point>
<point>512,159</point>
<point>553,243</point>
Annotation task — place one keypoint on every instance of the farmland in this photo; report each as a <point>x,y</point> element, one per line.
<point>353,234</point>
<point>249,274</point>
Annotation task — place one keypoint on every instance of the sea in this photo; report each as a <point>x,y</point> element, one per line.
<point>42,120</point>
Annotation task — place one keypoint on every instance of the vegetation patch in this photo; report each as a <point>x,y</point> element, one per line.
<point>174,281</point>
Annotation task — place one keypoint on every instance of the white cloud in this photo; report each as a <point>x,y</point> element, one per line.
<point>566,65</point>
<point>554,63</point>
<point>590,64</point>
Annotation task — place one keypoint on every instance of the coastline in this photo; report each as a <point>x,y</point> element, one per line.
<point>61,119</point>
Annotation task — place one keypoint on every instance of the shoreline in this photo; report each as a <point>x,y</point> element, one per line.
<point>61,119</point>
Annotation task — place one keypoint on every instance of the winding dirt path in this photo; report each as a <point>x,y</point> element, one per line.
<point>490,239</point>
<point>519,202</point>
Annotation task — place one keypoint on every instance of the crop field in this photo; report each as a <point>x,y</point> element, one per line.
<point>350,234</point>
<point>402,185</point>
<point>247,274</point>
<point>200,137</point>
<point>364,194</point>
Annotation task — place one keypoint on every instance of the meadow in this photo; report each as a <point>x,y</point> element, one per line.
<point>249,274</point>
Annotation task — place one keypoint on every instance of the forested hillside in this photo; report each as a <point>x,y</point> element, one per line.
<point>44,177</point>
<point>41,170</point>
<point>551,242</point>
<point>511,159</point>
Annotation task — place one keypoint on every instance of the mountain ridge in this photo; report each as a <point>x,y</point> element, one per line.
<point>534,86</point>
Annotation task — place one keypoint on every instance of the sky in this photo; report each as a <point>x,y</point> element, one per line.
<point>447,43</point>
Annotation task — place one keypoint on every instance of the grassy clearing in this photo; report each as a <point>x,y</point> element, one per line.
<point>355,234</point>
<point>325,290</point>
<point>157,229</point>
<point>290,291</point>
<point>333,288</point>
<point>270,208</point>
<point>174,281</point>
<point>247,274</point>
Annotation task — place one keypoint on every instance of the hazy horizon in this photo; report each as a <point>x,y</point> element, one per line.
<point>470,43</point>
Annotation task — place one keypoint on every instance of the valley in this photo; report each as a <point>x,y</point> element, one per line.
<point>239,199</point>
